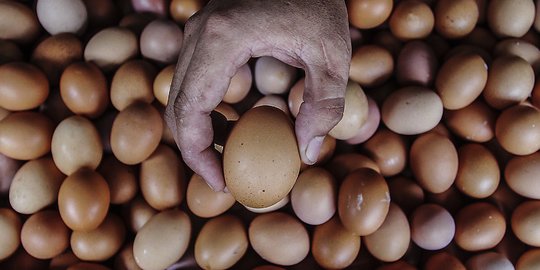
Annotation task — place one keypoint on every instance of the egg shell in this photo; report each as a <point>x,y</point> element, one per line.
<point>132,82</point>
<point>138,212</point>
<point>10,225</point>
<point>411,19</point>
<point>416,64</point>
<point>272,207</point>
<point>182,10</point>
<point>475,122</point>
<point>60,16</point>
<point>371,65</point>
<point>343,164</point>
<point>101,243</point>
<point>530,260</point>
<point>406,193</point>
<point>296,97</point>
<point>479,226</point>
<point>54,53</point>
<point>274,101</point>
<point>161,41</point>
<point>432,227</point>
<point>63,261</point>
<point>334,247</point>
<point>519,47</point>
<point>121,179</point>
<point>313,197</point>
<point>239,86</point>
<point>520,174</point>
<point>518,130</point>
<point>261,160</point>
<point>354,115</point>
<point>18,22</point>
<point>368,14</point>
<point>156,8</point>
<point>443,261</point>
<point>525,220</point>
<point>44,235</point>
<point>489,260</point>
<point>363,201</point>
<point>162,240</point>
<point>124,260</point>
<point>203,201</point>
<point>273,76</point>
<point>456,19</point>
<point>478,171</point>
<point>111,47</point>
<point>221,243</point>
<point>87,266</point>
<point>510,18</point>
<point>22,86</point>
<point>277,229</point>
<point>388,150</point>
<point>162,84</point>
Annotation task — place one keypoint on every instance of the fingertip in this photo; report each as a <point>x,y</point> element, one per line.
<point>312,150</point>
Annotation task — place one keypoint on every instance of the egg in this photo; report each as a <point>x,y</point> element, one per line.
<point>121,179</point>
<point>261,160</point>
<point>63,261</point>
<point>479,226</point>
<point>343,164</point>
<point>139,124</point>
<point>161,41</point>
<point>525,220</point>
<point>239,86</point>
<point>412,110</point>
<point>274,101</point>
<point>354,115</point>
<point>18,22</point>
<point>182,10</point>
<point>138,212</point>
<point>25,135</point>
<point>162,240</point>
<point>136,22</point>
<point>83,200</point>
<point>273,76</point>
<point>61,16</point>
<point>54,53</point>
<point>313,197</point>
<point>519,47</point>
<point>520,175</point>
<point>124,260</point>
<point>363,201</point>
<point>162,84</point>
<point>22,86</point>
<point>221,243</point>
<point>411,19</point>
<point>100,243</point>
<point>416,64</point>
<point>388,150</point>
<point>456,19</point>
<point>158,7</point>
<point>35,186</point>
<point>367,14</point>
<point>478,171</point>
<point>132,82</point>
<point>510,18</point>
<point>529,260</point>
<point>406,193</point>
<point>296,97</point>
<point>277,229</point>
<point>44,235</point>
<point>443,261</point>
<point>334,247</point>
<point>203,201</point>
<point>432,227</point>
<point>518,129</point>
<point>391,240</point>
<point>10,226</point>
<point>475,122</point>
<point>371,65</point>
<point>382,37</point>
<point>111,47</point>
<point>489,260</point>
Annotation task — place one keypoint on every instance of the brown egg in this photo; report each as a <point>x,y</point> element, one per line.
<point>510,18</point>
<point>416,64</point>
<point>228,111</point>
<point>456,19</point>
<point>343,164</point>
<point>489,260</point>
<point>327,150</point>
<point>221,243</point>
<point>138,212</point>
<point>87,266</point>
<point>479,226</point>
<point>44,235</point>
<point>55,53</point>
<point>260,174</point>
<point>525,223</point>
<point>519,47</point>
<point>371,65</point>
<point>84,89</point>
<point>139,124</point>
<point>162,240</point>
<point>443,261</point>
<point>76,144</point>
<point>101,14</point>
<point>388,150</point>
<point>63,261</point>
<point>313,197</point>
<point>478,171</point>
<point>10,226</point>
<point>461,80</point>
<point>181,10</point>
<point>391,240</point>
<point>121,179</point>
<point>370,126</point>
<point>274,101</point>
<point>203,201</point>
<point>162,84</point>
<point>432,227</point>
<point>411,19</point>
<point>101,243</point>
<point>510,81</point>
<point>132,82</point>
<point>530,260</point>
<point>475,122</point>
<point>272,207</point>
<point>111,47</point>
<point>239,86</point>
<point>363,201</point>
<point>273,76</point>
<point>354,115</point>
<point>83,200</point>
<point>124,259</point>
<point>367,14</point>
<point>18,22</point>
<point>406,193</point>
<point>434,162</point>
<point>520,175</point>
<point>412,110</point>
<point>22,86</point>
<point>334,247</point>
<point>35,186</point>
<point>161,41</point>
<point>518,129</point>
<point>25,135</point>
<point>296,97</point>
<point>276,229</point>
<point>162,179</point>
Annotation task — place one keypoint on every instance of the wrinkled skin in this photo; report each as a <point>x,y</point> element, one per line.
<point>224,35</point>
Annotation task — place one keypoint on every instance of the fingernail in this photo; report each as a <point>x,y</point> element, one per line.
<point>226,190</point>
<point>313,149</point>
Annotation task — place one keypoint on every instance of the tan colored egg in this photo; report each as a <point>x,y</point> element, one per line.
<point>529,260</point>
<point>416,64</point>
<point>63,261</point>
<point>343,164</point>
<point>371,65</point>
<point>273,76</point>
<point>22,86</point>
<point>489,260</point>
<point>132,82</point>
<point>101,243</point>
<point>520,174</point>
<point>260,174</point>
<point>510,18</point>
<point>313,197</point>
<point>44,235</point>
<point>35,186</point>
<point>182,10</point>
<point>10,226</point>
<point>62,16</point>
<point>18,22</point>
<point>138,212</point>
<point>84,89</point>
<point>277,229</point>
<point>162,179</point>
<point>411,19</point>
<point>121,179</point>
<point>25,135</point>
<point>478,171</point>
<point>518,129</point>
<point>124,260</point>
<point>162,84</point>
<point>434,162</point>
<point>519,47</point>
<point>228,111</point>
<point>406,193</point>
<point>139,124</point>
<point>363,201</point>
<point>510,81</point>
<point>162,240</point>
<point>391,240</point>
<point>456,19</point>
<point>432,227</point>
<point>479,226</point>
<point>274,101</point>
<point>87,266</point>
<point>367,14</point>
<point>461,80</point>
<point>83,200</point>
<point>271,208</point>
<point>239,86</point>
<point>55,53</point>
<point>475,122</point>
<point>296,97</point>
<point>203,201</point>
<point>525,223</point>
<point>111,47</point>
<point>221,243</point>
<point>388,150</point>
<point>354,115</point>
<point>334,247</point>
<point>443,261</point>
<point>412,110</point>
<point>161,41</point>
<point>76,144</point>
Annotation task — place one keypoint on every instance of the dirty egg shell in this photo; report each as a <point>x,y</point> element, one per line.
<point>203,201</point>
<point>44,235</point>
<point>101,243</point>
<point>10,226</point>
<point>334,247</point>
<point>261,160</point>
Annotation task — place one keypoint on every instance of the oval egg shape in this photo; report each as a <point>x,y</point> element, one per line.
<point>22,86</point>
<point>203,201</point>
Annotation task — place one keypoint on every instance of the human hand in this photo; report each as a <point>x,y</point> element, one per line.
<point>224,35</point>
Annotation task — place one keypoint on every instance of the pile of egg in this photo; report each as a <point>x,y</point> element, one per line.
<point>435,164</point>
